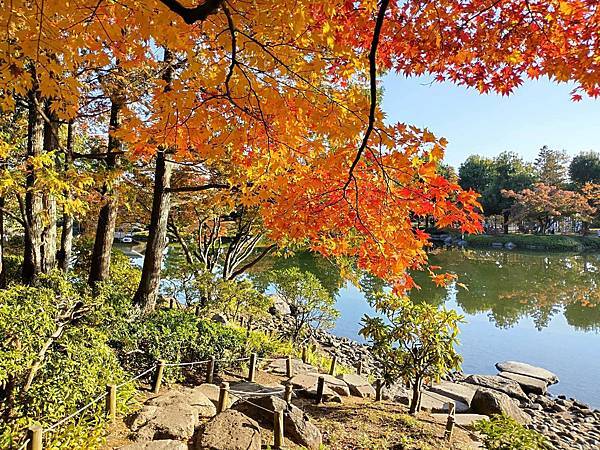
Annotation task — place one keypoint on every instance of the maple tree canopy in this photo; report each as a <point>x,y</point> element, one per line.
<point>280,98</point>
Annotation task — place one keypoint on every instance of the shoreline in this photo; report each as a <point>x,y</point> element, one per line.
<point>567,423</point>
<point>531,242</point>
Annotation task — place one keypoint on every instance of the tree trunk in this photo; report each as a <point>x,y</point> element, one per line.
<point>66,235</point>
<point>147,292</point>
<point>415,404</point>
<point>48,200</point>
<point>33,208</point>
<point>107,218</point>
<point>505,216</point>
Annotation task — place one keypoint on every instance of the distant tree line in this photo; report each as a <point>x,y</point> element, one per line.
<point>538,195</point>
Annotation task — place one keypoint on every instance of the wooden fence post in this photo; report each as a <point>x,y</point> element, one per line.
<point>278,429</point>
<point>171,303</point>
<point>197,311</point>
<point>359,367</point>
<point>287,396</point>
<point>223,397</point>
<point>35,434</point>
<point>158,379</point>
<point>304,354</point>
<point>111,402</point>
<point>378,390</point>
<point>252,367</point>
<point>450,422</point>
<point>320,389</point>
<point>288,367</point>
<point>210,370</point>
<point>333,364</point>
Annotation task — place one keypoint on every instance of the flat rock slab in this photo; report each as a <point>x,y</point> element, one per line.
<point>164,444</point>
<point>498,383</point>
<point>457,391</point>
<point>174,422</point>
<point>528,384</point>
<point>212,393</point>
<point>279,367</point>
<point>528,370</point>
<point>304,381</point>
<point>335,384</point>
<point>436,403</point>
<point>359,386</point>
<point>328,394</point>
<point>230,430</point>
<point>463,420</point>
<point>241,388</point>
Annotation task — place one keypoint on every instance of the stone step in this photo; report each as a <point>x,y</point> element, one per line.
<point>463,420</point>
<point>457,391</point>
<point>529,384</point>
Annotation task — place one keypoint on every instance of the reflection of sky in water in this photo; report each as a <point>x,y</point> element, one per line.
<point>572,354</point>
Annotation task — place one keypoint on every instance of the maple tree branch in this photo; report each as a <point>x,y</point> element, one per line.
<point>373,88</point>
<point>232,30</point>
<point>194,14</point>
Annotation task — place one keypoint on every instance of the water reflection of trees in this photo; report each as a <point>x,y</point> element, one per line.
<point>325,270</point>
<point>511,285</point>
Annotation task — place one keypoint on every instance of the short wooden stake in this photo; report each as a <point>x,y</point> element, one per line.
<point>278,429</point>
<point>304,355</point>
<point>111,402</point>
<point>287,396</point>
<point>378,390</point>
<point>359,367</point>
<point>333,364</point>
<point>171,303</point>
<point>158,378</point>
<point>223,397</point>
<point>210,370</point>
<point>35,434</point>
<point>197,311</point>
<point>450,422</point>
<point>288,367</point>
<point>320,389</point>
<point>252,367</point>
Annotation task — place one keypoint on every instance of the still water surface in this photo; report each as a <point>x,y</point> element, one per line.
<point>543,309</point>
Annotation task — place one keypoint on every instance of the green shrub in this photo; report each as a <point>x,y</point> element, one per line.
<point>501,432</point>
<point>53,358</point>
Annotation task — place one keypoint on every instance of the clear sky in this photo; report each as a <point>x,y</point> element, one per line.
<point>538,113</point>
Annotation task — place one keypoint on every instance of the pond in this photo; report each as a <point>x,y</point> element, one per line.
<point>543,309</point>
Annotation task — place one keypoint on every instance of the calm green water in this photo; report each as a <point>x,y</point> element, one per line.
<point>543,309</point>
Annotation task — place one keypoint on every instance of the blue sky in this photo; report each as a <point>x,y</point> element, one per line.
<point>538,113</point>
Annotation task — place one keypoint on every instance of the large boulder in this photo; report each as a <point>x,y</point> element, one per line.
<point>163,444</point>
<point>230,430</point>
<point>304,381</point>
<point>490,402</point>
<point>458,391</point>
<point>529,384</point>
<point>528,370</point>
<point>497,383</point>
<point>153,422</point>
<point>172,415</point>
<point>328,394</point>
<point>195,398</point>
<point>296,424</point>
<point>358,385</point>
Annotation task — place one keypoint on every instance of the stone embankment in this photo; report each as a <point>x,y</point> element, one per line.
<point>519,390</point>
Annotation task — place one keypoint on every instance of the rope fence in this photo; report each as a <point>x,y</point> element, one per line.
<point>34,440</point>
